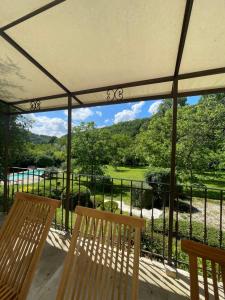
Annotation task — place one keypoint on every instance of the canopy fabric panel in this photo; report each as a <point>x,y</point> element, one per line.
<point>205,43</point>
<point>105,43</point>
<point>14,9</point>
<point>202,83</point>
<point>104,52</point>
<point>19,79</point>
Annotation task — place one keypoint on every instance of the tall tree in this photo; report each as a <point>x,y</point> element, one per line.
<point>17,138</point>
<point>89,149</point>
<point>200,136</point>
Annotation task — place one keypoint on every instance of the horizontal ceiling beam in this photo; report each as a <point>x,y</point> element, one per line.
<point>145,98</point>
<point>208,72</point>
<point>103,103</point>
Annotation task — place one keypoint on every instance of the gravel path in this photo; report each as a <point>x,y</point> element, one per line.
<point>146,213</point>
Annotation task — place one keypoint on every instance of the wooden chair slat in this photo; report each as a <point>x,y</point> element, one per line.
<point>223,277</point>
<point>205,278</point>
<point>22,238</point>
<point>206,253</point>
<point>215,285</point>
<point>101,267</point>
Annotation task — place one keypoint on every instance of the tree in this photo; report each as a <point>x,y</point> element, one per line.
<point>200,136</point>
<point>17,138</point>
<point>119,144</point>
<point>168,103</point>
<point>89,149</point>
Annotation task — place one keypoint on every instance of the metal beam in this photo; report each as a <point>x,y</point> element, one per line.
<point>103,103</point>
<point>36,63</point>
<point>32,14</point>
<point>202,73</point>
<point>186,19</point>
<point>68,173</point>
<point>190,75</point>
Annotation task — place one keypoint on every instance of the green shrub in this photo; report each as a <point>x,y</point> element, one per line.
<point>155,244</point>
<point>159,180</point>
<point>142,198</point>
<point>44,161</point>
<point>111,206</point>
<point>80,197</point>
<point>97,200</point>
<point>101,184</point>
<point>197,231</point>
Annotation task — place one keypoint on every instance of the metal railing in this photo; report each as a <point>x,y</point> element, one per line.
<point>198,215</point>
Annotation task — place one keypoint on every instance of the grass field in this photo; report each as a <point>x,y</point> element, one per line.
<point>211,179</point>
<point>133,173</point>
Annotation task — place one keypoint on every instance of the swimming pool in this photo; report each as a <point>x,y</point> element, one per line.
<point>25,174</point>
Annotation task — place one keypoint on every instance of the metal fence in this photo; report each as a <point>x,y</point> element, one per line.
<point>199,211</point>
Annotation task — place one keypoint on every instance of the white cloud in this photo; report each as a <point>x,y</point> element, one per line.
<point>128,114</point>
<point>154,107</point>
<point>48,126</point>
<point>106,121</point>
<point>99,113</point>
<point>80,114</point>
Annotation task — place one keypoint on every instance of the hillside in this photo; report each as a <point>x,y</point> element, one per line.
<point>130,128</point>
<point>41,139</point>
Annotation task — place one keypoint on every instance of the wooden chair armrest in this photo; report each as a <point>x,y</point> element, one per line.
<point>204,251</point>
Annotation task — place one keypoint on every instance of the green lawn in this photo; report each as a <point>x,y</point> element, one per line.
<point>133,173</point>
<point>213,179</point>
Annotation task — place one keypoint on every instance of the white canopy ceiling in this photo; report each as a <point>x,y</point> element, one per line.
<point>99,51</point>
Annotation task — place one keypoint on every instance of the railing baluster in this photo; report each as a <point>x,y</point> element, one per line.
<point>131,197</point>
<point>121,196</point>
<point>38,183</point>
<point>141,215</point>
<point>190,226</point>
<point>205,218</point>
<point>164,228</point>
<point>176,228</point>
<point>221,220</point>
<point>44,182</point>
<point>28,180</point>
<point>33,183</point>
<point>79,190</point>
<point>111,194</point>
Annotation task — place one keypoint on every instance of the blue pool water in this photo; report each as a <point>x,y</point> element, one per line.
<point>25,174</point>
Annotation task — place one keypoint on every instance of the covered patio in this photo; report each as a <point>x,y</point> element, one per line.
<point>63,55</point>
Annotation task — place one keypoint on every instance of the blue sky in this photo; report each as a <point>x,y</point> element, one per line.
<point>55,123</point>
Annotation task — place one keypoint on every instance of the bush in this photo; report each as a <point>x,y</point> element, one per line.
<point>154,245</point>
<point>101,183</point>
<point>81,197</point>
<point>50,173</point>
<point>97,200</point>
<point>56,194</point>
<point>159,180</point>
<point>111,206</point>
<point>44,161</point>
<point>142,198</point>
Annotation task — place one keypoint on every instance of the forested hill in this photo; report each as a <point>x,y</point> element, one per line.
<point>40,139</point>
<point>129,128</point>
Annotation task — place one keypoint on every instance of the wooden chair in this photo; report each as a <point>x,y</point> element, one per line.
<point>103,255</point>
<point>22,238</point>
<point>211,258</point>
